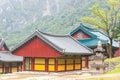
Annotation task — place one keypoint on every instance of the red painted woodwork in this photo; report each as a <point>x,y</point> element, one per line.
<point>17,68</point>
<point>23,65</point>
<point>32,64</point>
<point>117,53</point>
<point>37,48</point>
<point>84,35</point>
<point>3,49</point>
<point>3,67</point>
<point>74,64</point>
<point>56,65</point>
<point>86,61</point>
<point>65,64</point>
<point>46,65</point>
<point>81,64</point>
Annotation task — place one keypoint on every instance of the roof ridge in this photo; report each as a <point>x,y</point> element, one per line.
<point>2,43</point>
<point>55,35</point>
<point>88,27</point>
<point>101,32</point>
<point>39,35</point>
<point>83,28</point>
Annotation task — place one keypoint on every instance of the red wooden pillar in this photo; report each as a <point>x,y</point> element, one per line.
<point>2,67</point>
<point>81,63</point>
<point>23,65</point>
<point>73,64</point>
<point>10,65</point>
<point>65,65</point>
<point>46,64</point>
<point>17,67</point>
<point>56,65</point>
<point>86,61</point>
<point>32,64</point>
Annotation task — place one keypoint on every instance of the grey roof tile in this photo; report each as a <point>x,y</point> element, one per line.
<point>62,43</point>
<point>7,56</point>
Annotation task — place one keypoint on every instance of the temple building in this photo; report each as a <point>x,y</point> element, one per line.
<point>90,37</point>
<point>51,53</point>
<point>8,61</point>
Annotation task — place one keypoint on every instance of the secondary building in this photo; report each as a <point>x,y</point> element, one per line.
<point>8,61</point>
<point>90,37</point>
<point>51,53</point>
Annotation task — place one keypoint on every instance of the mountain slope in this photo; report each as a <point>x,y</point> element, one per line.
<point>20,18</point>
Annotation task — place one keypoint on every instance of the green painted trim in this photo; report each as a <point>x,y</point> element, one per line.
<point>84,29</point>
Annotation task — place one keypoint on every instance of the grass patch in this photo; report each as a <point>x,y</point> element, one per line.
<point>117,70</point>
<point>118,66</point>
<point>105,78</point>
<point>116,59</point>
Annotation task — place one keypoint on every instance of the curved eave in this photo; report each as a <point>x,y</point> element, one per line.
<point>7,56</point>
<point>9,61</point>
<point>72,53</point>
<point>82,28</point>
<point>64,50</point>
<point>44,56</point>
<point>49,39</point>
<point>39,36</point>
<point>90,50</point>
<point>91,42</point>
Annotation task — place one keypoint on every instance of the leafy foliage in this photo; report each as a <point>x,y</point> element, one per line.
<point>106,19</point>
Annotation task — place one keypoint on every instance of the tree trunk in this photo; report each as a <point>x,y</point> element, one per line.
<point>110,48</point>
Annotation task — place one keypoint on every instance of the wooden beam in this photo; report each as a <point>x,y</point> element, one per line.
<point>2,67</point>
<point>32,63</point>
<point>73,64</point>
<point>23,65</point>
<point>56,65</point>
<point>65,65</point>
<point>10,65</point>
<point>17,67</point>
<point>46,64</point>
<point>86,61</point>
<point>81,63</point>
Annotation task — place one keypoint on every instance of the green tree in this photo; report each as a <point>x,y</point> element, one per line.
<point>106,19</point>
<point>117,32</point>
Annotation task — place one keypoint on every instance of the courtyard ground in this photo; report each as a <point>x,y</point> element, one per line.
<point>72,75</point>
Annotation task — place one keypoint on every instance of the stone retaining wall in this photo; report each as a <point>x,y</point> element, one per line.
<point>111,66</point>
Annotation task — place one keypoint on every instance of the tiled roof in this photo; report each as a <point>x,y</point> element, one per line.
<point>7,56</point>
<point>3,44</point>
<point>102,36</point>
<point>62,43</point>
<point>96,35</point>
<point>91,42</point>
<point>84,29</point>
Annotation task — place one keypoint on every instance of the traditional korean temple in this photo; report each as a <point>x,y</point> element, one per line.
<point>8,61</point>
<point>51,53</point>
<point>90,37</point>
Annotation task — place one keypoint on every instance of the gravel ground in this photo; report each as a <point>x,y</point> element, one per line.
<point>72,75</point>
